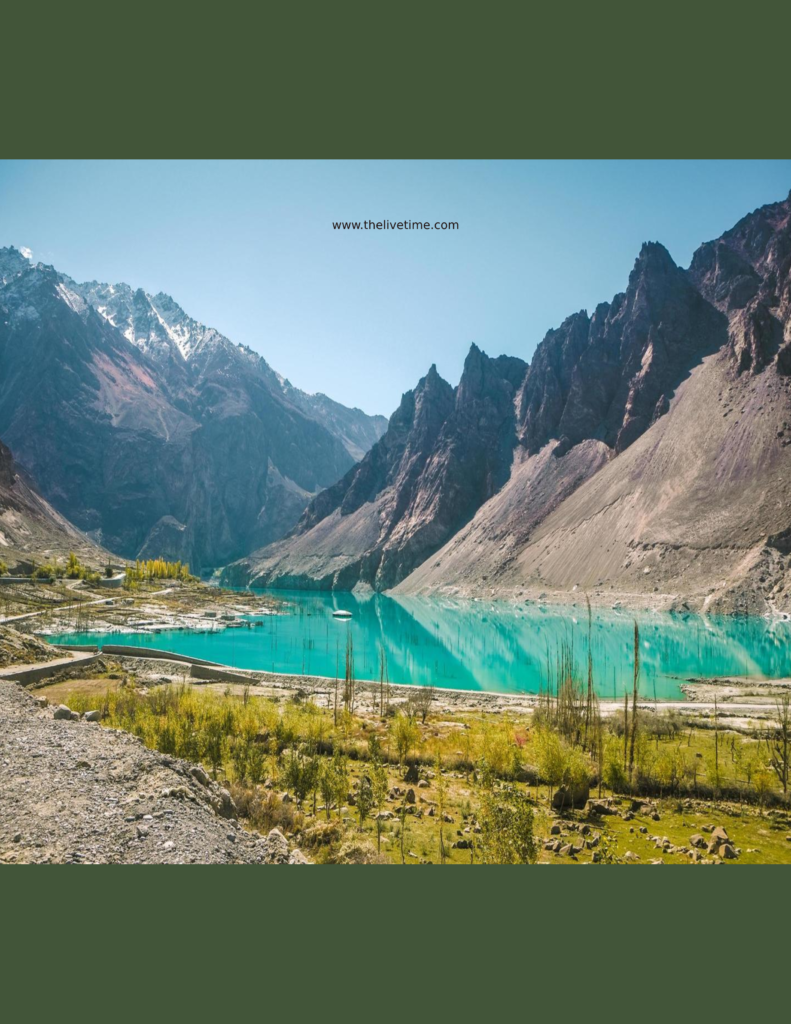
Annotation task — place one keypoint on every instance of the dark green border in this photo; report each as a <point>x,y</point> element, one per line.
<point>415,80</point>
<point>218,943</point>
<point>410,80</point>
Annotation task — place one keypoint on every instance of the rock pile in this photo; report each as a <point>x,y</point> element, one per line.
<point>73,792</point>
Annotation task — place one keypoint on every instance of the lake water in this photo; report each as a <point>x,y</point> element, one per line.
<point>477,645</point>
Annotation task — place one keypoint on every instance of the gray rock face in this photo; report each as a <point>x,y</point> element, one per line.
<point>747,275</point>
<point>152,432</point>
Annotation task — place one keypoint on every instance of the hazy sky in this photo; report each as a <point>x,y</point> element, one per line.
<point>249,248</point>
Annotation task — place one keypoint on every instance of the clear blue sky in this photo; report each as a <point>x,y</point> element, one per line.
<point>249,248</point>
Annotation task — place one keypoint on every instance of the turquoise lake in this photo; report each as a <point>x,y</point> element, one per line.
<point>477,645</point>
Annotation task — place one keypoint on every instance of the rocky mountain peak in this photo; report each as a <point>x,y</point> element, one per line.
<point>746,273</point>
<point>12,263</point>
<point>445,451</point>
<point>607,377</point>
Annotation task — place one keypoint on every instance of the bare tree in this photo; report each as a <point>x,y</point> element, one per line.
<point>335,695</point>
<point>589,702</point>
<point>349,681</point>
<point>634,697</point>
<point>779,743</point>
<point>422,700</point>
<point>384,684</point>
<point>440,783</point>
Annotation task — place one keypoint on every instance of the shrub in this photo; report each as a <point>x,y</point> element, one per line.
<point>404,734</point>
<point>614,775</point>
<point>264,809</point>
<point>506,820</point>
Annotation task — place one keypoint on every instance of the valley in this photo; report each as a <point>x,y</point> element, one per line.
<point>565,585</point>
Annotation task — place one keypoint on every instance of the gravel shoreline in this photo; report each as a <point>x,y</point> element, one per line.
<point>75,792</point>
<point>735,697</point>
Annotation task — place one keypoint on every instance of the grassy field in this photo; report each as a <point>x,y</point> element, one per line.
<point>444,780</point>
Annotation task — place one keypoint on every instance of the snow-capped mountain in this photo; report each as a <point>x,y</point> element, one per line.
<point>155,323</point>
<point>153,432</point>
<point>161,329</point>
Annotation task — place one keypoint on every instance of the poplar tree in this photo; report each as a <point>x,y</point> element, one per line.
<point>634,697</point>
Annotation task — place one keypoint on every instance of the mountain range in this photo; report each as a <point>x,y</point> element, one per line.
<point>644,454</point>
<point>152,433</point>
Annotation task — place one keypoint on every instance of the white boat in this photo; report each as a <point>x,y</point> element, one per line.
<point>340,614</point>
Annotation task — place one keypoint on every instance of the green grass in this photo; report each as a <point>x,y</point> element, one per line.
<point>226,730</point>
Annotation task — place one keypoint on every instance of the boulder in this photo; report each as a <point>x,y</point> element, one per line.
<point>63,712</point>
<point>412,774</point>
<point>199,774</point>
<point>697,840</point>
<point>600,807</point>
<point>555,830</point>
<point>567,797</point>
<point>630,857</point>
<point>92,716</point>
<point>276,847</point>
<point>222,802</point>
<point>727,852</point>
<point>719,835</point>
<point>410,796</point>
<point>422,784</point>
